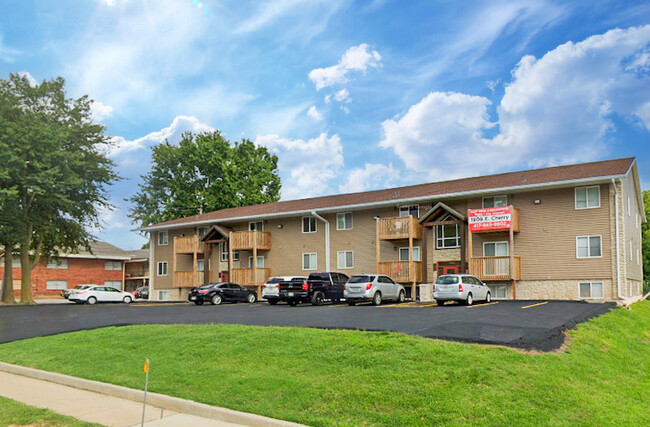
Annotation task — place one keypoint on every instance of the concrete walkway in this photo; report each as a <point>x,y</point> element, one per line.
<point>93,407</point>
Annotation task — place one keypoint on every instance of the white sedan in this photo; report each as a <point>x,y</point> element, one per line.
<point>95,294</point>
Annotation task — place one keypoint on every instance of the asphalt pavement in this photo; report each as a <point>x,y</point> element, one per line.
<point>535,325</point>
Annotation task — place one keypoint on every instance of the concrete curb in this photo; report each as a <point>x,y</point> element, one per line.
<point>159,400</point>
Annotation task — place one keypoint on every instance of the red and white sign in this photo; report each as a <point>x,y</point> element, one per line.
<point>489,218</point>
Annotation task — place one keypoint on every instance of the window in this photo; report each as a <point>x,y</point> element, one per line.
<point>495,201</point>
<point>410,210</point>
<point>113,265</point>
<point>260,262</point>
<point>495,249</point>
<point>498,291</point>
<point>308,224</point>
<point>310,261</point>
<point>202,231</point>
<point>116,284</point>
<point>163,295</point>
<point>224,253</point>
<point>163,238</point>
<point>162,268</point>
<point>592,290</point>
<point>56,284</point>
<point>587,197</point>
<point>258,225</point>
<point>448,235</point>
<point>58,263</point>
<point>629,210</point>
<point>344,221</point>
<point>404,253</point>
<point>200,265</point>
<point>588,247</point>
<point>15,262</point>
<point>345,259</point>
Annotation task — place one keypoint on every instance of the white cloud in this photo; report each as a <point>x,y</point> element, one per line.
<point>100,111</point>
<point>314,114</point>
<point>343,95</point>
<point>32,81</point>
<point>345,110</point>
<point>556,110</point>
<point>372,176</point>
<point>305,166</point>
<point>356,58</point>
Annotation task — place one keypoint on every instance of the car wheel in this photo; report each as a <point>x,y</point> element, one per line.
<point>273,301</point>
<point>488,297</point>
<point>216,300</point>
<point>92,300</point>
<point>251,298</point>
<point>376,298</point>
<point>440,302</point>
<point>317,299</point>
<point>127,300</point>
<point>470,299</point>
<point>352,303</point>
<point>402,297</point>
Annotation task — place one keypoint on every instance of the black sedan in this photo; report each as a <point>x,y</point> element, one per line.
<point>216,293</point>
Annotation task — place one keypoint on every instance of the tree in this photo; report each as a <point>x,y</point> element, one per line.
<point>56,167</point>
<point>645,242</point>
<point>203,173</point>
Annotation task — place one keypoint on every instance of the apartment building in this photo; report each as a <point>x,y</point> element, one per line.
<point>569,233</point>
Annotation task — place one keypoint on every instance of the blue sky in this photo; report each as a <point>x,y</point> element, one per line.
<point>372,94</point>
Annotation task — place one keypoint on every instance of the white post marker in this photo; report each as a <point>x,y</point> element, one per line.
<point>146,384</point>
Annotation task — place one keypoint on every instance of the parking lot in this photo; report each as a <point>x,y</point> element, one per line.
<point>535,325</point>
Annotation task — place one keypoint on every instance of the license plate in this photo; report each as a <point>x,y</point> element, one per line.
<point>192,298</point>
<point>290,294</point>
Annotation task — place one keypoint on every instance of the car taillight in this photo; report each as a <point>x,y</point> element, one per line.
<point>305,286</point>
<point>460,288</point>
<point>368,286</point>
<point>80,292</point>
<point>204,292</point>
<point>345,287</point>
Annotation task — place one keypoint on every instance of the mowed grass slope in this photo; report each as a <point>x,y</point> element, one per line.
<point>19,414</point>
<point>322,377</point>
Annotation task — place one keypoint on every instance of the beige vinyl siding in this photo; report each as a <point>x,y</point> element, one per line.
<point>633,270</point>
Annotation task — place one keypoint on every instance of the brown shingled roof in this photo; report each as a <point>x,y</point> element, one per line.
<point>503,180</point>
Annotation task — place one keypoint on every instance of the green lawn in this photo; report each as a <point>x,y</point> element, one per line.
<point>355,378</point>
<point>16,413</point>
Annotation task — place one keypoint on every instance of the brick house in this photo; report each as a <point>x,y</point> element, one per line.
<point>573,233</point>
<point>103,266</point>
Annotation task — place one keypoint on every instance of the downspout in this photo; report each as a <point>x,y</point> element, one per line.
<point>327,239</point>
<point>618,265</point>
<point>152,264</point>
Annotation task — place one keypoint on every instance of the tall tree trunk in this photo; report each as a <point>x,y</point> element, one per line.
<point>7,279</point>
<point>26,270</point>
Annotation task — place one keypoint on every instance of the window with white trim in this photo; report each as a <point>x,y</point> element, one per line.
<point>589,247</point>
<point>202,231</point>
<point>163,238</point>
<point>113,265</point>
<point>345,259</point>
<point>495,249</point>
<point>590,290</point>
<point>200,264</point>
<point>447,235</point>
<point>344,221</point>
<point>404,253</point>
<point>15,262</point>
<point>56,284</point>
<point>310,261</point>
<point>257,225</point>
<point>498,291</point>
<point>410,210</point>
<point>163,295</point>
<point>629,209</point>
<point>308,224</point>
<point>117,284</point>
<point>587,197</point>
<point>224,253</point>
<point>162,268</point>
<point>58,263</point>
<point>260,261</point>
<point>495,201</point>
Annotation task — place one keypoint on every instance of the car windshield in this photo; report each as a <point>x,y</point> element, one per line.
<point>208,286</point>
<point>447,280</point>
<point>361,279</point>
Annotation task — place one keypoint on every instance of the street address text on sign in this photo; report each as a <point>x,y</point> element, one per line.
<point>490,218</point>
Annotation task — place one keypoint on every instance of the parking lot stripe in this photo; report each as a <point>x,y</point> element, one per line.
<point>483,305</point>
<point>535,305</point>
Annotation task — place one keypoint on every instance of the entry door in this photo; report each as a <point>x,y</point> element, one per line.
<point>448,269</point>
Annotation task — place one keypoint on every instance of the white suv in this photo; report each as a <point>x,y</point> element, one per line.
<point>460,287</point>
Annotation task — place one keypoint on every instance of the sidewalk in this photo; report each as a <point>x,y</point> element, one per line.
<point>56,392</point>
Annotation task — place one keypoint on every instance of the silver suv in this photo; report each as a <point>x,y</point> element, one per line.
<point>372,287</point>
<point>460,287</point>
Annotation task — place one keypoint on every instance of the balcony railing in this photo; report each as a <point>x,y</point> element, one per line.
<point>495,268</point>
<point>246,276</point>
<point>188,245</point>
<point>247,240</point>
<point>401,271</point>
<point>399,228</point>
<point>188,279</point>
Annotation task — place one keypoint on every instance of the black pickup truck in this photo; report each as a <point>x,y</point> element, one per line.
<point>317,288</point>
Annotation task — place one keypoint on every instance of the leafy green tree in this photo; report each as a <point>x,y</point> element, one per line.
<point>203,173</point>
<point>645,243</point>
<point>57,170</point>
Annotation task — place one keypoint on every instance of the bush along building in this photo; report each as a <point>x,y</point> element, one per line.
<point>567,233</point>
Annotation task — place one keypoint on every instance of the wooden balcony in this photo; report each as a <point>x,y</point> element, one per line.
<point>188,245</point>
<point>495,268</point>
<point>247,240</point>
<point>188,279</point>
<point>401,271</point>
<point>246,277</point>
<point>398,228</point>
